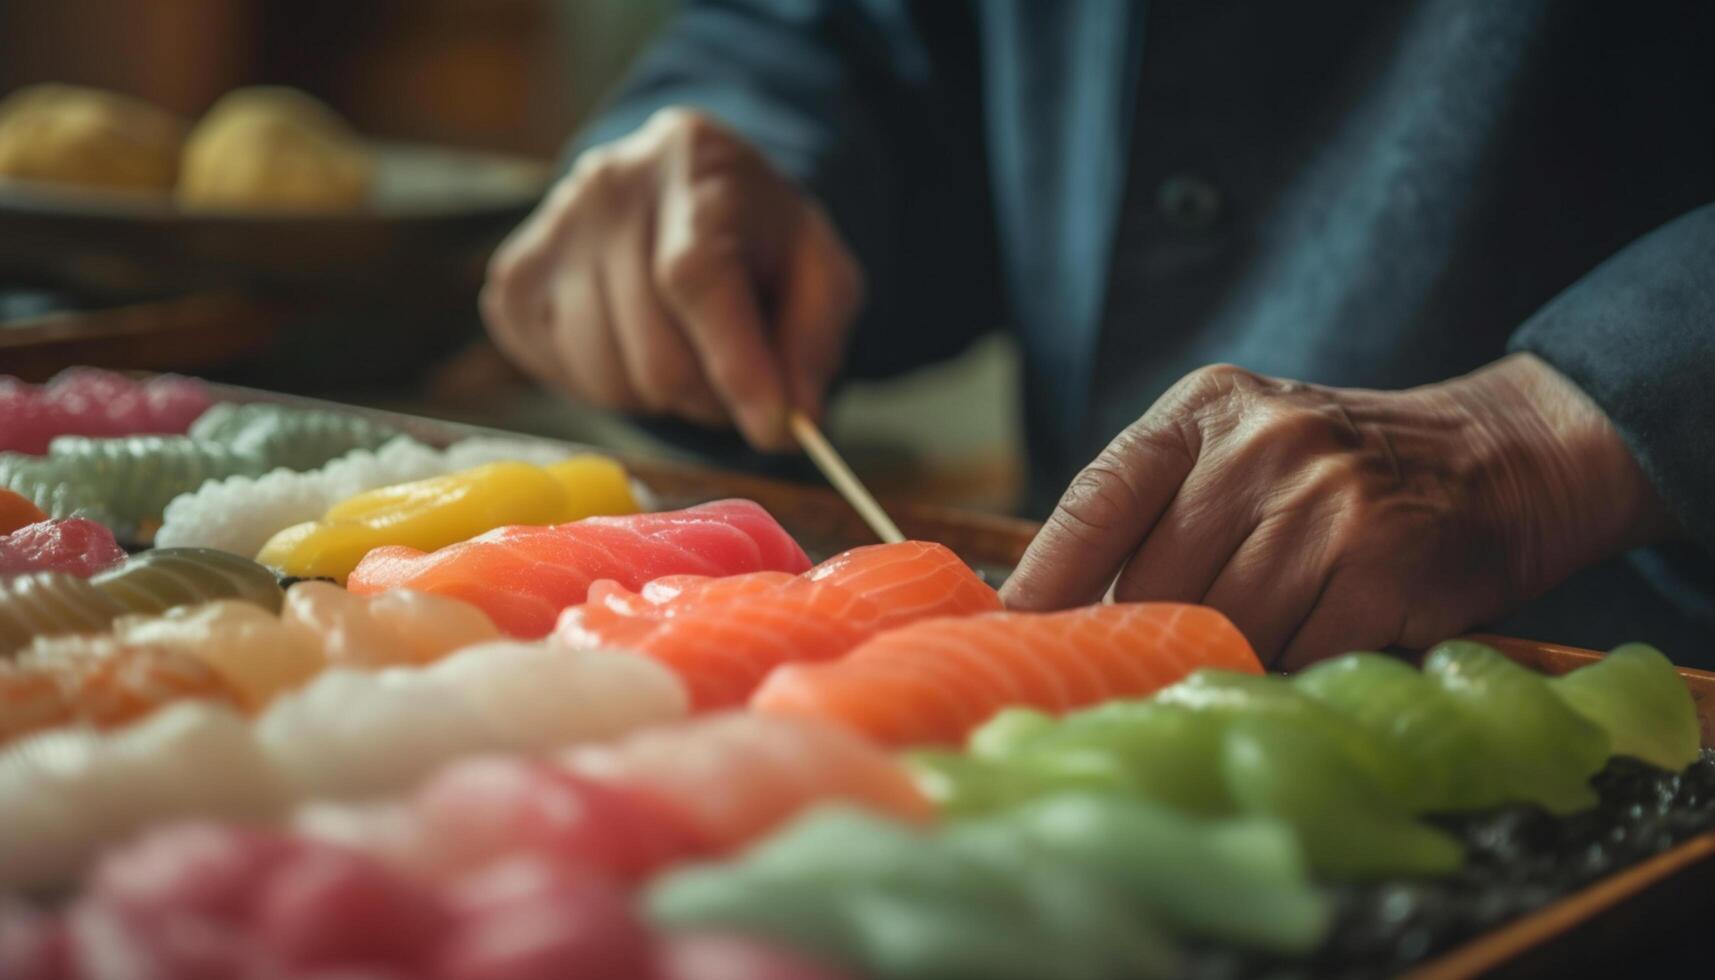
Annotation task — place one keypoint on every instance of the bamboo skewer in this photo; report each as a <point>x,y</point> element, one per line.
<point>828,460</point>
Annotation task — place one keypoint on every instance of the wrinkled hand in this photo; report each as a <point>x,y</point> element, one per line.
<point>674,271</point>
<point>1323,520</point>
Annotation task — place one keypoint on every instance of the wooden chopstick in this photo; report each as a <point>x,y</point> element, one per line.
<point>828,460</point>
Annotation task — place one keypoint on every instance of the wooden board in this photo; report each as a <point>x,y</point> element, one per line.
<point>1666,896</point>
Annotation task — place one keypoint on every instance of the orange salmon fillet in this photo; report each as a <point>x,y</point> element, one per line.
<point>932,682</point>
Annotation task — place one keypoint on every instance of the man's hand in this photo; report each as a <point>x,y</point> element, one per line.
<point>674,271</point>
<point>1323,520</point>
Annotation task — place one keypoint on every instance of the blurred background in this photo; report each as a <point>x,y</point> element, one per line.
<point>380,308</point>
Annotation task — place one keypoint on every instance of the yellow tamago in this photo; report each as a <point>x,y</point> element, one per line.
<point>443,510</point>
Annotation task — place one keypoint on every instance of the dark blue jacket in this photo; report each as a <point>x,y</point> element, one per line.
<point>1346,192</point>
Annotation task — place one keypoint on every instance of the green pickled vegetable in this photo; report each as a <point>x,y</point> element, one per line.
<point>1241,880</point>
<point>48,604</point>
<point>1348,825</point>
<point>1637,697</point>
<point>1408,711</point>
<point>296,438</point>
<point>1544,751</point>
<point>893,902</point>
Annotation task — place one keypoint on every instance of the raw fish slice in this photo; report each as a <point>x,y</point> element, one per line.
<point>523,576</point>
<point>66,795</point>
<point>738,775</point>
<point>93,402</point>
<point>478,810</point>
<point>722,648</point>
<point>1347,825</point>
<point>1546,750</point>
<point>50,604</point>
<point>109,683</point>
<point>528,917</point>
<point>30,701</point>
<point>352,734</point>
<point>1242,881</point>
<point>1640,701</point>
<point>296,438</point>
<point>723,956</point>
<point>16,511</point>
<point>443,510</point>
<point>240,513</point>
<point>75,546</point>
<point>539,696</point>
<point>397,627</point>
<point>162,578</point>
<point>1407,711</point>
<point>890,902</point>
<point>255,652</point>
<point>1132,650</point>
<point>909,581</point>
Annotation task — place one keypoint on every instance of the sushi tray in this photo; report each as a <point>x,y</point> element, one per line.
<point>292,689</point>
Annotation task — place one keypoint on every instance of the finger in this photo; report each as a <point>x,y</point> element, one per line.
<point>704,283</point>
<point>659,362</point>
<point>1106,511</point>
<point>1346,617</point>
<point>821,291</point>
<point>1272,582</point>
<point>1194,538</point>
<point>585,346</point>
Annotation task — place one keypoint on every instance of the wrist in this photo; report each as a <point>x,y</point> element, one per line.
<point>1567,481</point>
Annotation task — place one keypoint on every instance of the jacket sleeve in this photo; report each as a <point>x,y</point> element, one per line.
<point>1637,334</point>
<point>874,106</point>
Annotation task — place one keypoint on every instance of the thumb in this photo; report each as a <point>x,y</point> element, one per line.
<point>818,297</point>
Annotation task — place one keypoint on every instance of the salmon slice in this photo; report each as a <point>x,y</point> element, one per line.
<point>723,636</point>
<point>523,576</point>
<point>910,580</point>
<point>934,681</point>
<point>737,775</point>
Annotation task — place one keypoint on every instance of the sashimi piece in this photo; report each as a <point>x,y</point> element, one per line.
<point>738,775</point>
<point>109,683</point>
<point>93,402</point>
<point>1240,880</point>
<point>478,810</point>
<point>76,546</point>
<point>442,510</point>
<point>1546,750</point>
<point>529,917</point>
<point>1348,827</point>
<point>396,627</point>
<point>16,511</point>
<point>935,680</point>
<point>892,902</point>
<point>358,734</point>
<point>1638,698</point>
<point>728,956</point>
<point>30,700</point>
<point>353,734</point>
<point>723,636</point>
<point>523,576</point>
<point>909,581</point>
<point>51,604</point>
<point>538,696</point>
<point>256,654</point>
<point>67,794</point>
<point>723,649</point>
<point>1407,711</point>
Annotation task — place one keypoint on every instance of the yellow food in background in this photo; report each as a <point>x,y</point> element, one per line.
<point>66,134</point>
<point>443,510</point>
<point>274,149</point>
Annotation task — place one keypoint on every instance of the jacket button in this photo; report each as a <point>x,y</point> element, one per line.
<point>1188,202</point>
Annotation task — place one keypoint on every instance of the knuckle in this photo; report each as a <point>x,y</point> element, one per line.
<point>1099,500</point>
